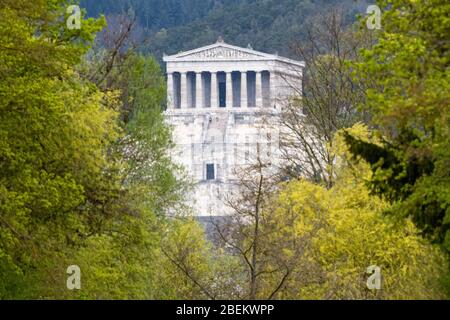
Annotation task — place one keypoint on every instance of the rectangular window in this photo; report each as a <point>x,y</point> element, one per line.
<point>210,171</point>
<point>239,118</point>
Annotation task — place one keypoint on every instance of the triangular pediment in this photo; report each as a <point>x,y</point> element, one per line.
<point>219,51</point>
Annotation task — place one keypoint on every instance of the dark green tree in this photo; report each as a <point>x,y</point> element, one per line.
<point>408,96</point>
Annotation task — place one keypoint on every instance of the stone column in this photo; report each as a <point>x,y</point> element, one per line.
<point>244,102</point>
<point>271,89</point>
<point>183,91</point>
<point>214,99</point>
<point>258,90</point>
<point>198,90</point>
<point>170,91</point>
<point>229,91</point>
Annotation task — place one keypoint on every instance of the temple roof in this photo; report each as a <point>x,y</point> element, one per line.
<point>221,51</point>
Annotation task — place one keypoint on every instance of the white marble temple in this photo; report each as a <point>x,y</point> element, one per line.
<point>223,102</point>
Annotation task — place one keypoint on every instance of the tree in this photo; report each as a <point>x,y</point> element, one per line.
<point>329,237</point>
<point>54,133</point>
<point>132,252</point>
<point>85,177</point>
<point>301,240</point>
<point>194,268</point>
<point>327,100</point>
<point>407,76</point>
<point>269,25</point>
<point>241,232</point>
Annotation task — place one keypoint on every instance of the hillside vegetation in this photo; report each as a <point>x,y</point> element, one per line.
<point>268,25</point>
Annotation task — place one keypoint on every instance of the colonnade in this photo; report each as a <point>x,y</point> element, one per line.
<point>242,89</point>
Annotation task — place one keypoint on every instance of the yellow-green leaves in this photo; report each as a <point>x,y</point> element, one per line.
<point>55,132</point>
<point>408,97</point>
<point>336,234</point>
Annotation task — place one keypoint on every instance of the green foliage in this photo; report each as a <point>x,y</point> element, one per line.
<point>86,179</point>
<point>178,25</point>
<point>156,14</point>
<point>190,263</point>
<point>85,175</point>
<point>407,73</point>
<point>54,134</point>
<point>335,235</point>
<point>141,89</point>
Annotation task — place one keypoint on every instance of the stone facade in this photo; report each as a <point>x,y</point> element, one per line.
<point>223,102</point>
